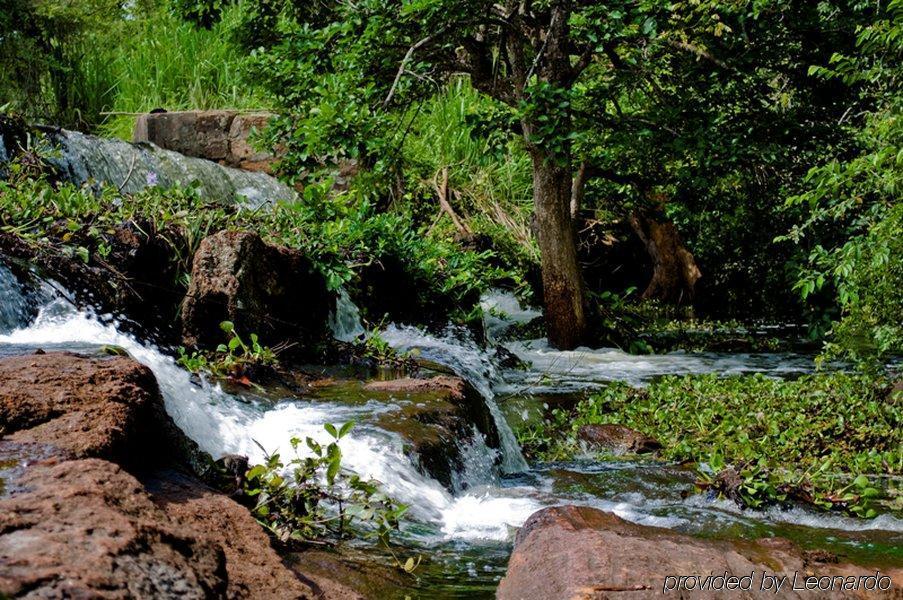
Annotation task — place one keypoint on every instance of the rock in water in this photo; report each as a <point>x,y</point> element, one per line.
<point>73,525</point>
<point>617,438</point>
<point>436,417</point>
<point>570,552</point>
<point>105,408</point>
<point>269,290</point>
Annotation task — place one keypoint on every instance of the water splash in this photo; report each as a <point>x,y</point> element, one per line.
<point>463,356</point>
<point>88,160</point>
<point>502,310</point>
<point>345,320</point>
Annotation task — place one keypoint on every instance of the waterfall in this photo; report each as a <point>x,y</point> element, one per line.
<point>89,160</point>
<point>222,424</point>
<point>345,320</point>
<point>467,360</point>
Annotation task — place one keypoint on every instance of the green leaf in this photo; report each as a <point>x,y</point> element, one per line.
<point>345,429</point>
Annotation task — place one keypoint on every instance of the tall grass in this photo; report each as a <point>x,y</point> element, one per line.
<point>158,61</point>
<point>489,180</point>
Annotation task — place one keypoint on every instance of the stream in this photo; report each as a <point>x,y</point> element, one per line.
<point>464,536</point>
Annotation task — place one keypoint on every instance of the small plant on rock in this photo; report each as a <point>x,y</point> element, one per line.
<point>311,499</point>
<point>235,359</point>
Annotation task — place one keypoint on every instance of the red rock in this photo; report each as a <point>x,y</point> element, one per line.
<point>90,407</point>
<point>79,527</point>
<point>571,553</point>
<point>86,529</point>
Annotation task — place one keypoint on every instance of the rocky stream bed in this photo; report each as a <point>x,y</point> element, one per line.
<point>106,462</point>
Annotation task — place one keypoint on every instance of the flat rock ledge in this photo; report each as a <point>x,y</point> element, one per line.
<point>581,553</point>
<point>95,504</point>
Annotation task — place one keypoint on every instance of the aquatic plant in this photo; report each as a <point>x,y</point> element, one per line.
<point>824,439</point>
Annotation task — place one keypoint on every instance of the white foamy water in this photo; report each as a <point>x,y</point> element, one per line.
<point>487,510</point>
<point>570,370</point>
<point>223,424</point>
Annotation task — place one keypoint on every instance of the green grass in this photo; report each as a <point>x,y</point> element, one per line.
<point>821,439</point>
<point>489,176</point>
<point>159,61</point>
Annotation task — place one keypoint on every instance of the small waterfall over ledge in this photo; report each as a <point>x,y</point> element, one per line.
<point>89,160</point>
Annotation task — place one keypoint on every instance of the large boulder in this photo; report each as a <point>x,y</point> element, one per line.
<point>91,407</point>
<point>269,290</point>
<point>75,525</point>
<point>223,136</point>
<point>571,552</point>
<point>86,529</point>
<point>436,417</point>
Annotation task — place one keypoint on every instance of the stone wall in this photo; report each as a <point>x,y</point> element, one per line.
<point>217,135</point>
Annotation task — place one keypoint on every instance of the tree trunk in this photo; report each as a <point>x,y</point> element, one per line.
<point>674,271</point>
<point>562,282</point>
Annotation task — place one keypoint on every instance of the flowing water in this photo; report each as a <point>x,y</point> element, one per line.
<point>89,160</point>
<point>466,534</point>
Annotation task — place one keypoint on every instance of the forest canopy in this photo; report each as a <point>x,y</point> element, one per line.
<point>748,152</point>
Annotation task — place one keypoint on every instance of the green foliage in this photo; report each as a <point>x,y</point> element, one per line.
<point>312,498</point>
<point>158,61</point>
<point>855,215</point>
<point>340,235</point>
<point>235,359</point>
<point>71,63</point>
<point>823,439</point>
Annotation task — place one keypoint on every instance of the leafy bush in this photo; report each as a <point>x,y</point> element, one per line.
<point>855,215</point>
<point>818,439</point>
<point>235,359</point>
<point>340,235</point>
<point>312,498</point>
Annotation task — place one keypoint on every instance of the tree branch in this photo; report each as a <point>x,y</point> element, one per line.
<point>699,52</point>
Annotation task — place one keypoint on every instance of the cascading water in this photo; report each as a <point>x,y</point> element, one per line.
<point>345,320</point>
<point>85,159</point>
<point>483,512</point>
<point>221,424</point>
<point>472,363</point>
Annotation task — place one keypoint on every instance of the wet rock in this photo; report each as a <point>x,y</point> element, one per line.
<point>86,529</point>
<point>72,526</point>
<point>436,417</point>
<point>92,407</point>
<point>269,290</point>
<point>356,569</point>
<point>617,438</point>
<point>569,552</point>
